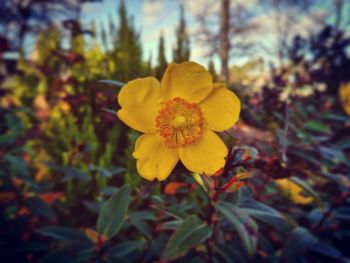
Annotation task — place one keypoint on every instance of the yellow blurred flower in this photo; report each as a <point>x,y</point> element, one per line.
<point>178,117</point>
<point>293,191</point>
<point>344,94</point>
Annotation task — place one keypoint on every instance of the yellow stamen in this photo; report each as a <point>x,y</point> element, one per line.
<point>180,122</point>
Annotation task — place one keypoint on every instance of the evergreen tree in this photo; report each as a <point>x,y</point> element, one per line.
<point>104,37</point>
<point>46,42</point>
<point>211,69</point>
<point>162,62</point>
<point>148,67</point>
<point>128,51</point>
<point>181,52</point>
<point>112,28</point>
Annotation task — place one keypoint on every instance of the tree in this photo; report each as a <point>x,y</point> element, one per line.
<point>211,69</point>
<point>224,39</point>
<point>162,62</point>
<point>223,29</point>
<point>148,66</point>
<point>181,52</point>
<point>127,51</point>
<point>22,18</point>
<point>104,38</point>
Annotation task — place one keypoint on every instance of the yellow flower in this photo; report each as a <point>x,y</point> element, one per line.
<point>293,191</point>
<point>178,117</point>
<point>344,94</point>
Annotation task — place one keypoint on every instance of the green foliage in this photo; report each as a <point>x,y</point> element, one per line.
<point>162,61</point>
<point>190,233</point>
<point>69,188</point>
<point>211,69</point>
<point>128,51</point>
<point>181,51</point>
<point>113,212</point>
<point>244,225</point>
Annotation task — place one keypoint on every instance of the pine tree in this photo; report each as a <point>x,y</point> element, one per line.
<point>128,53</point>
<point>112,28</point>
<point>211,69</point>
<point>162,62</point>
<point>148,67</point>
<point>181,52</point>
<point>104,37</point>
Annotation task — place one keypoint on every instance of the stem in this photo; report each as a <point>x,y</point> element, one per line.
<point>285,132</point>
<point>209,250</point>
<point>229,183</point>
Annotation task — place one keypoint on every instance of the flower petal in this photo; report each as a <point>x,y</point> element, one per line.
<point>220,108</point>
<point>187,80</point>
<point>205,156</point>
<point>140,102</point>
<point>154,159</point>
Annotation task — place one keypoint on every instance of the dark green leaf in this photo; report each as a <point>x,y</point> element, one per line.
<point>143,215</point>
<point>40,208</point>
<point>113,112</point>
<point>299,240</point>
<point>112,82</point>
<point>56,256</point>
<point>326,250</point>
<point>264,213</point>
<point>113,212</point>
<point>122,250</point>
<point>230,254</point>
<point>94,207</point>
<point>244,225</point>
<point>189,234</point>
<point>317,126</point>
<point>69,172</point>
<point>62,233</point>
<point>335,116</point>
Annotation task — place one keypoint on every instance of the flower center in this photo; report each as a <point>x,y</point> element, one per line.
<point>179,122</point>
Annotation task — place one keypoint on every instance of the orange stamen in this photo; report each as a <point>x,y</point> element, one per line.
<point>180,123</point>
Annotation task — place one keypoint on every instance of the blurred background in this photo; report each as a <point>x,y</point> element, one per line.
<point>63,150</point>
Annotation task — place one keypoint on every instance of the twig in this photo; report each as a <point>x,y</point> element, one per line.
<point>285,132</point>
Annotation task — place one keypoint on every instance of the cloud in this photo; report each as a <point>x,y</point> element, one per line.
<point>153,10</point>
<point>200,7</point>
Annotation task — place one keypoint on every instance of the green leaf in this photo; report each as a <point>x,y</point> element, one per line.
<point>112,214</point>
<point>55,256</point>
<point>335,116</point>
<point>191,232</point>
<point>122,250</point>
<point>308,190</point>
<point>113,112</point>
<point>264,213</point>
<point>64,234</point>
<point>229,254</point>
<point>316,126</point>
<point>112,82</point>
<point>298,242</point>
<point>69,172</point>
<point>40,208</point>
<point>171,212</point>
<point>107,172</point>
<point>244,225</point>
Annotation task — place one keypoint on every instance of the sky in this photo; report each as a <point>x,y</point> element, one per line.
<point>151,17</point>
